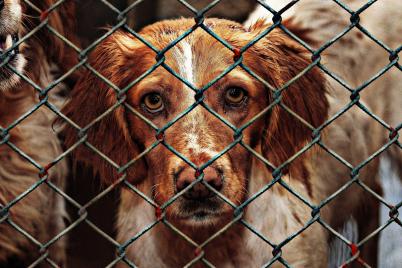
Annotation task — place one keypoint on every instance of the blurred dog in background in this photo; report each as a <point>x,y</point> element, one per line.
<point>41,58</point>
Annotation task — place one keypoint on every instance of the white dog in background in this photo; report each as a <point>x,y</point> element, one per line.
<point>383,20</point>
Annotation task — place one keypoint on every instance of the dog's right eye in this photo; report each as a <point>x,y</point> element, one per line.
<point>235,96</point>
<point>153,102</point>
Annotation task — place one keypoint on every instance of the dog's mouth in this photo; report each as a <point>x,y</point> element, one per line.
<point>200,211</point>
<point>7,41</point>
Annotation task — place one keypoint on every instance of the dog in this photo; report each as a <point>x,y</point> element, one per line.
<point>41,59</point>
<point>131,147</point>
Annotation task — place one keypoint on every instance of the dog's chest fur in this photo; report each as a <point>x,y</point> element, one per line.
<point>276,214</point>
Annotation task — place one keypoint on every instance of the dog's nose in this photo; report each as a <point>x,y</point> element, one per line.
<point>1,4</point>
<point>199,191</point>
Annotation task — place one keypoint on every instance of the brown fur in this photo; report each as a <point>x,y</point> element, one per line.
<point>122,136</point>
<point>40,213</point>
<point>117,60</point>
<point>62,20</point>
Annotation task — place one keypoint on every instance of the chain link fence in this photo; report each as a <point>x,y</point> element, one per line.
<point>121,22</point>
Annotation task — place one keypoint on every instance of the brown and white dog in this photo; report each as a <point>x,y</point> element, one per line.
<point>199,136</point>
<point>42,57</point>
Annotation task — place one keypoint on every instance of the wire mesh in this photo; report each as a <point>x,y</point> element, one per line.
<point>199,19</point>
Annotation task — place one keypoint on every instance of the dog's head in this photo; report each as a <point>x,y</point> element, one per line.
<point>198,135</point>
<point>19,19</point>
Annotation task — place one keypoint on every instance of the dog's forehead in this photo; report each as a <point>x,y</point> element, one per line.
<point>198,56</point>
<point>173,29</point>
<point>182,33</point>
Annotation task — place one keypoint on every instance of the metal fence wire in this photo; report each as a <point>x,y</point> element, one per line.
<point>199,16</point>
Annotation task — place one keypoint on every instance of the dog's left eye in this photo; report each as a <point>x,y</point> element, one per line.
<point>235,95</point>
<point>153,102</point>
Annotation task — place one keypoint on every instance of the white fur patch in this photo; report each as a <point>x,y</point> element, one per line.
<point>193,142</point>
<point>188,71</point>
<point>15,9</point>
<point>11,16</point>
<point>339,252</point>
<point>184,57</point>
<point>391,237</point>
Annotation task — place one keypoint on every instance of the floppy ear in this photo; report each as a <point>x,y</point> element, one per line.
<point>279,59</point>
<point>92,97</point>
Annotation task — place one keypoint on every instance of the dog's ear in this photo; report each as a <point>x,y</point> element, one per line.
<point>280,59</point>
<point>63,20</point>
<point>90,99</point>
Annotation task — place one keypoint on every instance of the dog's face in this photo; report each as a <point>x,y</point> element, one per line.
<point>10,27</point>
<point>199,136</point>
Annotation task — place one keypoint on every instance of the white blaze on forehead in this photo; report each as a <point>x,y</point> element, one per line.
<point>197,141</point>
<point>183,54</point>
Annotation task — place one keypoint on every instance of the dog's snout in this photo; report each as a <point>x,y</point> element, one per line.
<point>199,191</point>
